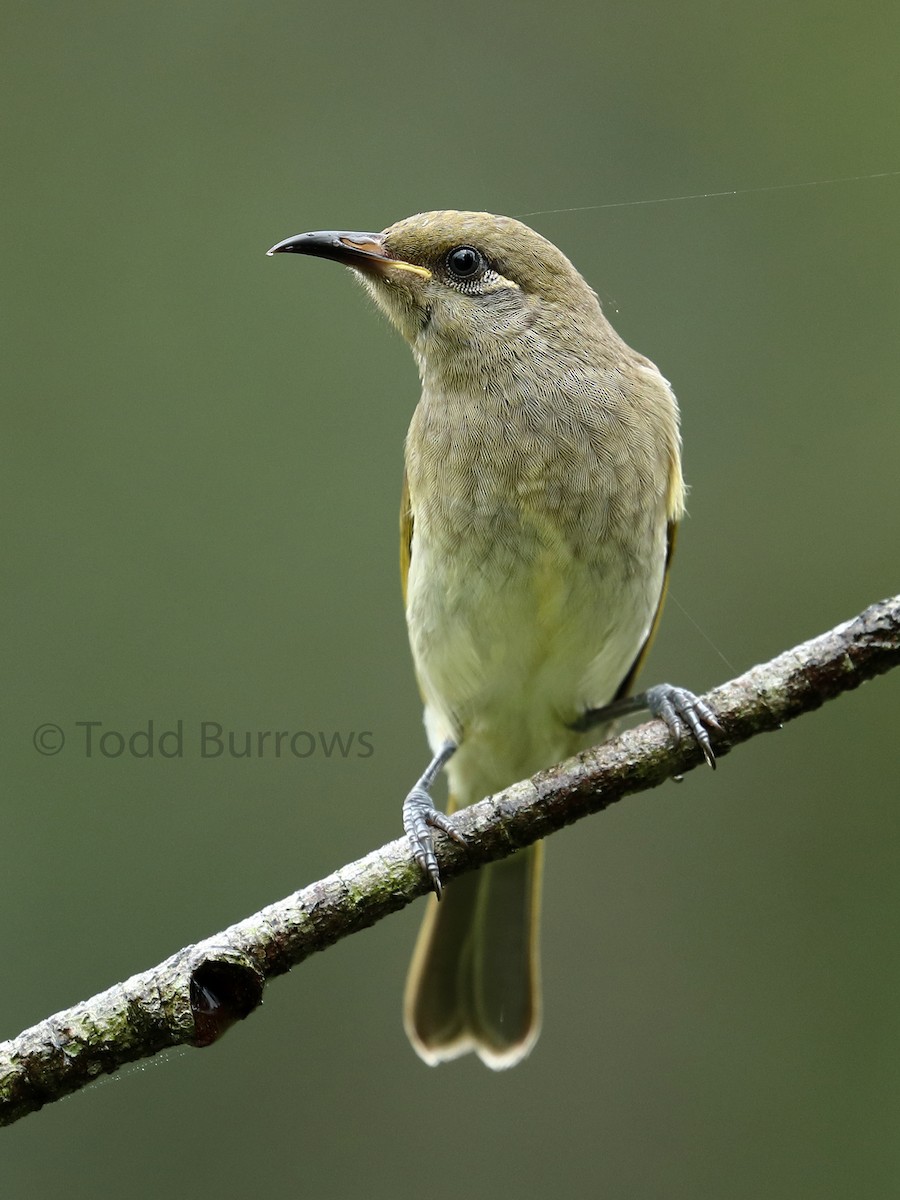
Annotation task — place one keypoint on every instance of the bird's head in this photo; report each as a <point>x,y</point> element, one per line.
<point>457,281</point>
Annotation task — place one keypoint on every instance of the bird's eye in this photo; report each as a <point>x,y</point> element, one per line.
<point>465,262</point>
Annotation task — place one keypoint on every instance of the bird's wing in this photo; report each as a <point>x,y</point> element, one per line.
<point>406,534</point>
<point>406,537</point>
<point>627,684</point>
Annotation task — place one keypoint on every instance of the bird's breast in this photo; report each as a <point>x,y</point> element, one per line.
<point>534,575</point>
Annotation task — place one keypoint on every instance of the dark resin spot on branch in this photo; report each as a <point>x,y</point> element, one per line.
<point>221,993</point>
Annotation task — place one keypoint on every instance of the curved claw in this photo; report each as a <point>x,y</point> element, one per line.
<point>683,711</point>
<point>419,818</point>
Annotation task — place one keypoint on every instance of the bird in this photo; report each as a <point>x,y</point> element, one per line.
<point>541,495</point>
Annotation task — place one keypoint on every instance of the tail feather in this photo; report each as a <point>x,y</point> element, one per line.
<point>474,980</point>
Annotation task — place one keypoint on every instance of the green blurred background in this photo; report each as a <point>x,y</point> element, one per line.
<point>203,462</point>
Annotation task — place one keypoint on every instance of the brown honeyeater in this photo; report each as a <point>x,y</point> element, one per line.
<point>540,500</point>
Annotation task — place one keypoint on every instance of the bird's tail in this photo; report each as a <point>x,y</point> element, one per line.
<point>474,979</point>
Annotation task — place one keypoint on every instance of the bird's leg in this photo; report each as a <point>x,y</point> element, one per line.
<point>680,709</point>
<point>420,817</point>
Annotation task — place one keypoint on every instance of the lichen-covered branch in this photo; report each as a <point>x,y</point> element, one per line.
<point>194,996</point>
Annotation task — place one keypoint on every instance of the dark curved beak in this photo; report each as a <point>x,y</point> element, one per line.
<point>364,251</point>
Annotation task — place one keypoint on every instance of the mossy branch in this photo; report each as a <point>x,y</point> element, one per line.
<point>195,995</point>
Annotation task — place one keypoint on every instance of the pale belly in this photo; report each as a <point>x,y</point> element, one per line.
<point>514,638</point>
